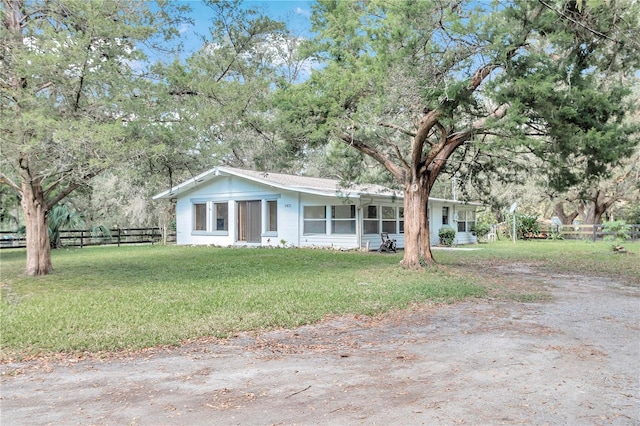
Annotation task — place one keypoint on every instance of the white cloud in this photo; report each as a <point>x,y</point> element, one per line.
<point>303,12</point>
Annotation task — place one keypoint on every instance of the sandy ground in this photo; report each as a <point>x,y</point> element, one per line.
<point>572,357</point>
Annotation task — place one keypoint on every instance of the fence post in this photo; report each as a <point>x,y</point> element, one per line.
<point>594,232</point>
<point>118,236</point>
<point>81,238</point>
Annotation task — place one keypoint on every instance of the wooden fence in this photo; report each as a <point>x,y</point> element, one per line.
<point>84,237</point>
<point>576,232</point>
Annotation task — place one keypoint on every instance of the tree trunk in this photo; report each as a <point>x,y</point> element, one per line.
<point>35,213</point>
<point>567,219</point>
<point>417,247</point>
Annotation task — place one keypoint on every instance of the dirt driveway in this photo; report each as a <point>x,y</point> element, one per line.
<point>572,357</point>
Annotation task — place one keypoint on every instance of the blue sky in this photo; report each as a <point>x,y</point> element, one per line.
<point>295,13</point>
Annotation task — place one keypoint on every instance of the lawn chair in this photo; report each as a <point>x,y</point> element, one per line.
<point>388,245</point>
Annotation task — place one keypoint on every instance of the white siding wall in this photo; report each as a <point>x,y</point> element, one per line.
<point>231,189</point>
<point>290,221</point>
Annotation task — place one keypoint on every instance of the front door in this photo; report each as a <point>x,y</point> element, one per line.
<point>249,221</point>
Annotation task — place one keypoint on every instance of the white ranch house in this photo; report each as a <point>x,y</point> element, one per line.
<point>226,206</point>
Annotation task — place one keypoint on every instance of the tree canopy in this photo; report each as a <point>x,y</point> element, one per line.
<point>409,84</point>
<point>74,96</point>
<point>417,88</point>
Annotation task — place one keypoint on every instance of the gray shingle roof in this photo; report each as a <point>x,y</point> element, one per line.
<point>295,182</point>
<point>312,185</point>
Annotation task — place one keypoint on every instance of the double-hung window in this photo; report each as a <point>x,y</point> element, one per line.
<point>462,221</point>
<point>401,220</point>
<point>445,215</point>
<point>471,221</point>
<point>343,219</point>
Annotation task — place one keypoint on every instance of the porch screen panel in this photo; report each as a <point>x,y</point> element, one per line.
<point>314,220</point>
<point>370,222</point>
<point>343,219</point>
<point>389,219</point>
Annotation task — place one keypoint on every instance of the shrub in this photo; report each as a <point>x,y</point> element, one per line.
<point>447,235</point>
<point>480,230</point>
<point>617,232</point>
<point>527,226</point>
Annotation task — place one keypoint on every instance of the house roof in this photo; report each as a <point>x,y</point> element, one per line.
<point>305,184</point>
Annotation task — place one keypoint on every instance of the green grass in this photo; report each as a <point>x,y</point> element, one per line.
<point>110,298</point>
<point>568,256</point>
<point>128,298</point>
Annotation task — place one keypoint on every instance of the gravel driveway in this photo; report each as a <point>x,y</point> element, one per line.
<point>571,357</point>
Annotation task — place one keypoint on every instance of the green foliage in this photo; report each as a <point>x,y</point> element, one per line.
<point>481,229</point>
<point>447,235</point>
<point>62,217</point>
<point>100,233</point>
<point>631,214</point>
<point>578,97</point>
<point>527,226</point>
<point>617,232</point>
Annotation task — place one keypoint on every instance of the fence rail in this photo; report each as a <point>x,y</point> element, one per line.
<point>84,237</point>
<point>577,232</point>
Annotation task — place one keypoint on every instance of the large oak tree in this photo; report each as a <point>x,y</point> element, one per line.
<point>410,83</point>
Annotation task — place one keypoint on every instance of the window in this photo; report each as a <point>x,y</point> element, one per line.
<point>401,220</point>
<point>445,215</point>
<point>314,220</point>
<point>462,221</point>
<point>200,217</point>
<point>471,220</point>
<point>343,219</point>
<point>466,220</point>
<point>221,216</point>
<point>272,216</point>
<point>370,221</point>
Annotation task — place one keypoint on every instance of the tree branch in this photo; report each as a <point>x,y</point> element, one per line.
<point>398,128</point>
<point>591,30</point>
<point>380,157</point>
<point>71,187</point>
<point>4,179</point>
